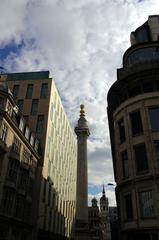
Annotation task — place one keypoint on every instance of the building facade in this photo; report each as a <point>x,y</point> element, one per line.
<point>19,163</point>
<point>133,112</point>
<point>94,221</point>
<point>99,223</point>
<point>38,100</point>
<point>104,217</point>
<point>113,218</point>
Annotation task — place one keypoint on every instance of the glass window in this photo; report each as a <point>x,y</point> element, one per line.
<point>27,133</point>
<point>156,146</point>
<point>141,157</point>
<point>124,157</point>
<point>3,132</point>
<point>136,123</point>
<point>53,173</point>
<point>40,123</point>
<point>23,179</point>
<point>154,116</point>
<point>20,104</point>
<point>13,168</point>
<point>121,130</point>
<point>8,200</point>
<point>55,99</point>
<point>44,89</point>
<point>146,204</point>
<point>48,146</point>
<point>34,107</point>
<point>128,207</point>
<point>51,111</point>
<point>26,156</point>
<point>15,91</point>
<point>21,124</point>
<point>32,139</point>
<point>9,109</point>
<point>52,153</point>
<point>143,54</point>
<point>36,146</point>
<point>29,91</point>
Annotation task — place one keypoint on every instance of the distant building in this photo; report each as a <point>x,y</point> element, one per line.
<point>38,101</point>
<point>104,217</point>
<point>19,163</point>
<point>94,221</point>
<point>133,113</point>
<point>99,223</point>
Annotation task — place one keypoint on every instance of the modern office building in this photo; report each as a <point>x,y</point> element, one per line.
<point>38,100</point>
<point>133,112</point>
<point>19,162</point>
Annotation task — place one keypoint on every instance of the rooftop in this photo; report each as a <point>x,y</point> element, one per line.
<point>27,75</point>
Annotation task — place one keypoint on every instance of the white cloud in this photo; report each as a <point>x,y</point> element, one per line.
<point>12,21</point>
<point>81,42</point>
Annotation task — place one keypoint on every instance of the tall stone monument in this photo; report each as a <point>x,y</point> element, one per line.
<point>81,221</point>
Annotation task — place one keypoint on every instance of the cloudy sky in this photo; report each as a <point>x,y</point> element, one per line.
<point>81,42</point>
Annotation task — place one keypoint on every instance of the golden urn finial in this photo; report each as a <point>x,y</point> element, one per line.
<point>82,111</point>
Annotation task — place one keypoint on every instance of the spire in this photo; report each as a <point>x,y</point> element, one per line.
<point>103,198</point>
<point>103,190</point>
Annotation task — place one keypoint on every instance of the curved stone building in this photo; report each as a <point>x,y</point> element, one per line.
<point>133,112</point>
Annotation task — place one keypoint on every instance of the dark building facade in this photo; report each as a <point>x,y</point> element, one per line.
<point>133,113</point>
<point>99,221</point>
<point>113,218</point>
<point>94,221</point>
<point>104,216</point>
<point>19,163</point>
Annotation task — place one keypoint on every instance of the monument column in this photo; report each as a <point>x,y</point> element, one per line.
<point>81,221</point>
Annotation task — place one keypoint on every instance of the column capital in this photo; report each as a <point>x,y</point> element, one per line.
<point>82,127</point>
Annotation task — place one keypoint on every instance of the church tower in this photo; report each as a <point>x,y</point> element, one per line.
<point>104,215</point>
<point>81,219</point>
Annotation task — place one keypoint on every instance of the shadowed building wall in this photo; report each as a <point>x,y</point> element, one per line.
<point>133,112</point>
<point>19,166</point>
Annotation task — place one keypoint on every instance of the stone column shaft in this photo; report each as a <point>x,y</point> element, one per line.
<point>81,221</point>
<point>82,180</point>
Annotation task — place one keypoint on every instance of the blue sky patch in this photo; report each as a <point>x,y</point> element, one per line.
<point>95,189</point>
<point>12,47</point>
